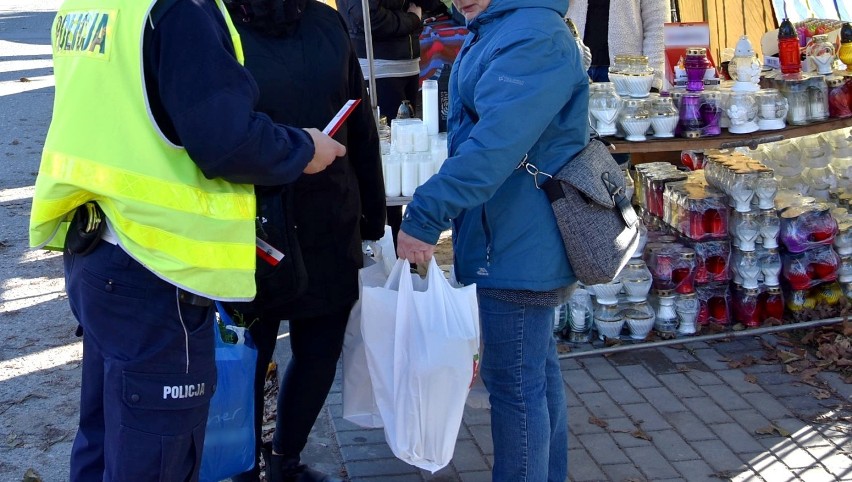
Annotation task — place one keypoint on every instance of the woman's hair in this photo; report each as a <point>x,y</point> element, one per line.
<point>271,17</point>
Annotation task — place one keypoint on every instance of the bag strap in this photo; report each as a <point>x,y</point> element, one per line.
<point>533,171</point>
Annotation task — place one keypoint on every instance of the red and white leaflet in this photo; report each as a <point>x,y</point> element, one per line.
<point>268,253</point>
<point>340,117</point>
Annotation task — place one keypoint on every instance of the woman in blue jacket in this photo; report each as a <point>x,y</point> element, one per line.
<point>517,88</point>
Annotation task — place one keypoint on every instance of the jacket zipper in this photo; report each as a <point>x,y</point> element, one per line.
<point>486,229</point>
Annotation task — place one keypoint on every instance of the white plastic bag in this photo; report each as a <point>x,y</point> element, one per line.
<point>359,403</point>
<point>422,345</point>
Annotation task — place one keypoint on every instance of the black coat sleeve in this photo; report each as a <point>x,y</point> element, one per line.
<point>365,155</point>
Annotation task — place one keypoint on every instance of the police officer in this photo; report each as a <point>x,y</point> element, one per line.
<point>146,182</point>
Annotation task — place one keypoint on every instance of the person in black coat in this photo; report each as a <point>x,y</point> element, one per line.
<point>300,54</point>
<point>395,26</point>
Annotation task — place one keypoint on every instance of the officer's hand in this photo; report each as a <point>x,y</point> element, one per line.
<point>414,250</point>
<point>416,10</point>
<point>326,150</point>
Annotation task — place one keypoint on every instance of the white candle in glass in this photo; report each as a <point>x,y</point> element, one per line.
<point>409,175</point>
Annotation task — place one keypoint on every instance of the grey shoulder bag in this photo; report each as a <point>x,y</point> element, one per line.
<point>600,229</point>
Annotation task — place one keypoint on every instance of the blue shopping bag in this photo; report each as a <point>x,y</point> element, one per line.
<point>229,445</point>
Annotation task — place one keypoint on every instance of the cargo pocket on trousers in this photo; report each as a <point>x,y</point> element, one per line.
<point>161,434</point>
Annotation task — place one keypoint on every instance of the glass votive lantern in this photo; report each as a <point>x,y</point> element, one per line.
<point>664,116</point>
<point>711,109</point>
<point>707,214</point>
<point>844,273</point>
<point>696,64</point>
<point>748,269</point>
<point>808,226</point>
<point>640,318</point>
<point>666,319</point>
<point>683,271</point>
<point>638,77</point>
<point>686,307</point>
<point>744,67</point>
<point>772,305</point>
<point>711,261</point>
<point>816,151</point>
<point>746,307</point>
<point>636,278</point>
<point>741,189</point>
<point>770,225</point>
<point>772,110</point>
<point>821,53</point>
<point>580,316</point>
<point>746,230</point>
<point>634,120</point>
<point>690,122</point>
<point>770,267</point>
<point>817,98</point>
<point>616,74</point>
<point>765,189</point>
<point>605,105</point>
<point>714,302</point>
<point>608,320</point>
<point>796,92</point>
<point>843,239</point>
<point>659,258</point>
<point>810,268</point>
<point>741,108</point>
<point>839,98</point>
<point>606,293</point>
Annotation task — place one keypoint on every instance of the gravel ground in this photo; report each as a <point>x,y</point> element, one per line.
<point>40,356</point>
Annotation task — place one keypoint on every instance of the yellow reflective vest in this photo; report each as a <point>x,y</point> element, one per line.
<point>103,145</point>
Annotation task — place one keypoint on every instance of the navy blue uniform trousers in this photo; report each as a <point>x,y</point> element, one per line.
<point>148,372</point>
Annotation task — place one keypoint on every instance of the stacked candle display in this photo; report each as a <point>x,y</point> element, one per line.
<point>754,226</point>
<point>414,156</point>
<point>700,215</point>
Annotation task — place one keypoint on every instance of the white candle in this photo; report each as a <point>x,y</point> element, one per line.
<point>430,106</point>
<point>425,169</point>
<point>393,177</point>
<point>409,175</point>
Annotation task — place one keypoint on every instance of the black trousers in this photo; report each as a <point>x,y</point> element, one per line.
<point>316,344</point>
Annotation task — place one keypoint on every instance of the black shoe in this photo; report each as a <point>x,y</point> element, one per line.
<point>252,475</point>
<point>279,469</point>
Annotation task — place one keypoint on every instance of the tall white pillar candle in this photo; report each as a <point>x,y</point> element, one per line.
<point>430,106</point>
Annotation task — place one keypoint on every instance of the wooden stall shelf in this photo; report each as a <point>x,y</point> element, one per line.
<point>726,140</point>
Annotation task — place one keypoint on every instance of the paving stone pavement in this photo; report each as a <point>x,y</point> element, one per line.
<point>661,414</point>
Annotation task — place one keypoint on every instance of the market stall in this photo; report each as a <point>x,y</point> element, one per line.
<point>749,224</point>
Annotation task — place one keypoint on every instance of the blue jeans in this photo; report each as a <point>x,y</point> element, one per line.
<point>520,369</point>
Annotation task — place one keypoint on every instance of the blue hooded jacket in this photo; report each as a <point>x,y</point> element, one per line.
<point>517,87</point>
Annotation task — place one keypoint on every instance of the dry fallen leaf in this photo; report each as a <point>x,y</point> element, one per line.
<point>787,357</point>
<point>32,476</point>
<point>772,429</point>
<point>596,421</point>
<point>751,378</point>
<point>639,433</point>
<point>821,394</point>
<point>724,474</point>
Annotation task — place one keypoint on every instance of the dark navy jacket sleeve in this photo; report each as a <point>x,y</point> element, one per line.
<point>203,99</point>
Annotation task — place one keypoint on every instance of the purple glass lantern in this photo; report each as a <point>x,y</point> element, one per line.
<point>696,64</point>
<point>711,113</point>
<point>691,122</point>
